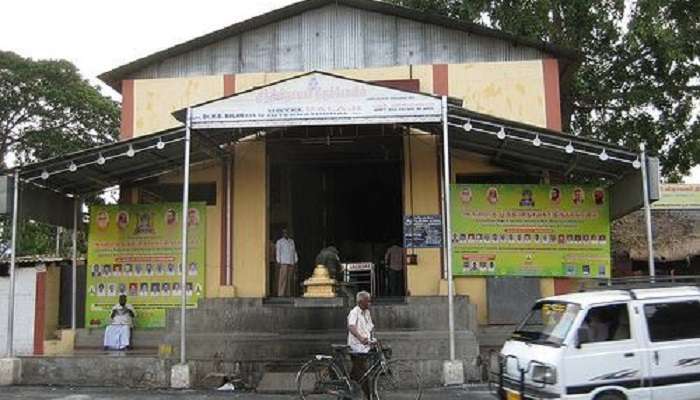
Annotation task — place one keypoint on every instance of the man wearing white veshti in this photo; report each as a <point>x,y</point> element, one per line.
<point>118,332</point>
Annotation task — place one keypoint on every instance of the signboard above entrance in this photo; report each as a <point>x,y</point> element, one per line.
<point>316,98</point>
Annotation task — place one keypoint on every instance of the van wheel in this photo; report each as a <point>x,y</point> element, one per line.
<point>610,396</point>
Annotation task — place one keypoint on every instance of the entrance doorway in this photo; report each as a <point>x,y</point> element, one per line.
<point>347,195</point>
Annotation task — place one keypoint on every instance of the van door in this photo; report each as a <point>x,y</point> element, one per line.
<point>673,334</point>
<point>610,356</point>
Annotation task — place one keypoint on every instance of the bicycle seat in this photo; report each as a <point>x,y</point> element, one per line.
<point>340,347</point>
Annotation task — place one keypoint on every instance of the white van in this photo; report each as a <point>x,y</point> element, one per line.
<point>606,345</point>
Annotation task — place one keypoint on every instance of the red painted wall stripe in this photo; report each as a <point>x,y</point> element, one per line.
<point>39,313</point>
<point>127,121</point>
<point>229,85</point>
<point>440,80</point>
<point>550,70</point>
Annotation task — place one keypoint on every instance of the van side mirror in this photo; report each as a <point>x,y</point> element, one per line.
<point>582,336</point>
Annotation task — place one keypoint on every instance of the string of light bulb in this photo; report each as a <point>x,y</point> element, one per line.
<point>102,160</point>
<point>534,139</point>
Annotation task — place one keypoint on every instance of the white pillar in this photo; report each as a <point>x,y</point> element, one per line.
<point>453,370</point>
<point>183,269</point>
<point>647,211</point>
<point>74,272</point>
<point>13,258</point>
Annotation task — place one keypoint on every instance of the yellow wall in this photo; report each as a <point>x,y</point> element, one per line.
<point>156,99</point>
<point>512,90</point>
<point>250,220</point>
<point>206,174</point>
<point>421,172</point>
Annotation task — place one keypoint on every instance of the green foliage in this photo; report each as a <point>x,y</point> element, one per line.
<point>48,109</point>
<point>638,79</point>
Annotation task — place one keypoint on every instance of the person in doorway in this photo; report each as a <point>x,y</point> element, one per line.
<point>360,330</point>
<point>330,258</point>
<point>287,258</point>
<point>118,332</point>
<point>395,261</point>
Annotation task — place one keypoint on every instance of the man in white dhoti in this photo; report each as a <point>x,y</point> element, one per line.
<point>118,332</point>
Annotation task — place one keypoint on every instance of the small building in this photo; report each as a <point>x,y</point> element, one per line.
<point>359,166</point>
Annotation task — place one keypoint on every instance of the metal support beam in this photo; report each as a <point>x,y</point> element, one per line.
<point>13,259</point>
<point>74,273</point>
<point>647,211</point>
<point>447,243</point>
<point>183,263</point>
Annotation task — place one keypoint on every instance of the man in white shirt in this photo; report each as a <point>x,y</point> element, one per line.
<point>118,333</point>
<point>287,258</point>
<point>360,328</point>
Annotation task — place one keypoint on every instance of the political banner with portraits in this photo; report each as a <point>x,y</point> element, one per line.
<point>530,230</point>
<point>136,250</point>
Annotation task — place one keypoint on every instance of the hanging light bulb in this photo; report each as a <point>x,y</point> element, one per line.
<point>603,156</point>
<point>72,167</point>
<point>501,133</point>
<point>160,145</point>
<point>569,148</point>
<point>45,175</point>
<point>467,126</point>
<point>101,160</point>
<point>536,141</point>
<point>636,164</point>
<point>131,152</point>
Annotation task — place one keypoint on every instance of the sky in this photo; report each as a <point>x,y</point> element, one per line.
<point>97,36</point>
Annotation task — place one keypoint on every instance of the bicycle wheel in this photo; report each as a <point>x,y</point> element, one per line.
<point>398,379</point>
<point>319,380</point>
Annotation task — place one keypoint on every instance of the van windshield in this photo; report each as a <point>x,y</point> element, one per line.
<point>547,323</point>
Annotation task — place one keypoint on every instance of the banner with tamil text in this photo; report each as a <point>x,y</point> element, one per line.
<point>530,230</point>
<point>136,250</point>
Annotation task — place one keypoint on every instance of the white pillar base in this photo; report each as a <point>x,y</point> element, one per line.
<point>10,371</point>
<point>453,373</point>
<point>182,376</point>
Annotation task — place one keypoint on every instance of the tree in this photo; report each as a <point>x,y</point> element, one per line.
<point>47,109</point>
<point>638,79</point>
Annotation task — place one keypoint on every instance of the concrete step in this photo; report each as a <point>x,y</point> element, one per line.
<point>494,335</point>
<point>142,339</point>
<point>113,369</point>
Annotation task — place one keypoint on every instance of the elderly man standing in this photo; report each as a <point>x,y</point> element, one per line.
<point>287,258</point>
<point>118,333</point>
<point>360,328</point>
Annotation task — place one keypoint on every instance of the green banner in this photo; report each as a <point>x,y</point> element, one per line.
<point>530,230</point>
<point>678,196</point>
<point>136,250</point>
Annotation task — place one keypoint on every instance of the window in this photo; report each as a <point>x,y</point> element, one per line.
<point>673,321</point>
<point>607,323</point>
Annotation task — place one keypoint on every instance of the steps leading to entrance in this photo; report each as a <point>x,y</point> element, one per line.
<point>142,339</point>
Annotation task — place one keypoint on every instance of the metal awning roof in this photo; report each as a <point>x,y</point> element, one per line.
<point>511,144</point>
<point>125,161</point>
<point>522,146</point>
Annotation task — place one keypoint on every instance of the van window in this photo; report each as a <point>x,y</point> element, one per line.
<point>607,323</point>
<point>673,321</point>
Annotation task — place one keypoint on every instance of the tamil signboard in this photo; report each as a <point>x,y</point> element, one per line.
<point>678,196</point>
<point>530,230</point>
<point>317,99</point>
<point>422,231</point>
<point>136,250</point>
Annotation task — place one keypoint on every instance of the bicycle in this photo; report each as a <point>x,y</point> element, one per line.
<point>327,377</point>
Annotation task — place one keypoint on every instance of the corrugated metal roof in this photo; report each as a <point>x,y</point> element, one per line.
<point>258,55</point>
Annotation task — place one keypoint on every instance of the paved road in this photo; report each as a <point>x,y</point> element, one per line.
<point>68,393</point>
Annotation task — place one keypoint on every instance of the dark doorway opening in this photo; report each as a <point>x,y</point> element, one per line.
<point>348,195</point>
